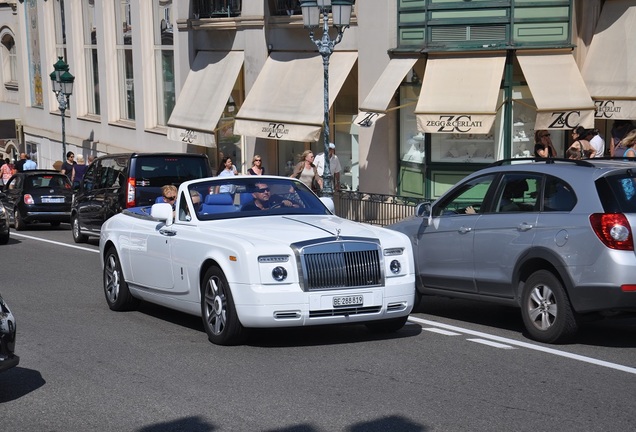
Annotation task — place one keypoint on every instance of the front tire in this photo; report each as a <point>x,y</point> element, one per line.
<point>220,319</point>
<point>546,310</point>
<point>116,290</point>
<point>78,237</point>
<point>4,239</point>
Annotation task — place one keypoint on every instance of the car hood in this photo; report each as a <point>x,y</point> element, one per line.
<point>297,228</point>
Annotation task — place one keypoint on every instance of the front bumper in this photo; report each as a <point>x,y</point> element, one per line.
<point>292,307</point>
<point>8,362</point>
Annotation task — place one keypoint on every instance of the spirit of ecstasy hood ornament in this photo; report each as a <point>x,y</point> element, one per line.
<point>338,234</point>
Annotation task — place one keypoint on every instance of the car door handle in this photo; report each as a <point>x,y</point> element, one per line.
<point>464,230</point>
<point>524,226</point>
<point>167,232</point>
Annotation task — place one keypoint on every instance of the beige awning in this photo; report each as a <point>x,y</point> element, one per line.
<point>204,97</point>
<point>375,105</point>
<point>611,61</point>
<point>287,99</point>
<point>559,92</point>
<point>460,93</point>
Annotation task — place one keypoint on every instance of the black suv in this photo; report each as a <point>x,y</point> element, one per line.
<point>118,181</point>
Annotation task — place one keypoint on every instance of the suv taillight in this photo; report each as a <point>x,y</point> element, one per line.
<point>130,193</point>
<point>613,230</point>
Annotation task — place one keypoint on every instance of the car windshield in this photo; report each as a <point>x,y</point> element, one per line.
<point>243,196</point>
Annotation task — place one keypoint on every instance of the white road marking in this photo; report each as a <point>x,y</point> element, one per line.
<point>527,345</point>
<point>491,343</point>
<point>441,331</point>
<point>53,242</point>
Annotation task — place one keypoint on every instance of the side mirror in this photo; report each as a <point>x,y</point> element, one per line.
<point>162,212</point>
<point>328,202</point>
<point>423,209</point>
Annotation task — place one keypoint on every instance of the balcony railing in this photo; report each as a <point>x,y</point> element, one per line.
<point>375,209</point>
<point>216,8</point>
<point>285,7</point>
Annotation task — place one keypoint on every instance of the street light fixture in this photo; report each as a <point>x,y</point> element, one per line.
<point>62,82</point>
<point>341,17</point>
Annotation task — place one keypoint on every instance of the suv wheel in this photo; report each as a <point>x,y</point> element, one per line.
<point>546,310</point>
<point>78,237</point>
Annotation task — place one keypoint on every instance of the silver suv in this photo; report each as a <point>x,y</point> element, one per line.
<point>553,237</point>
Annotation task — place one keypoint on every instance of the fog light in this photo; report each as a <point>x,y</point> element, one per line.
<point>395,266</point>
<point>279,274</point>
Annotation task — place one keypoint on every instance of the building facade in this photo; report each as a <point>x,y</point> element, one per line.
<point>422,92</point>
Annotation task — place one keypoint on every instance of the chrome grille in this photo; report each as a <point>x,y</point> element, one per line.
<point>345,311</point>
<point>341,264</point>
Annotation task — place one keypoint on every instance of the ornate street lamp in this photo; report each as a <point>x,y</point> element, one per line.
<point>62,82</point>
<point>341,16</point>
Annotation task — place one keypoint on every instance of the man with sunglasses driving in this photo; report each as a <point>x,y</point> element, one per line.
<point>263,199</point>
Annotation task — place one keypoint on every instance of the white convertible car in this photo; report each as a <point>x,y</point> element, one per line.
<point>251,251</point>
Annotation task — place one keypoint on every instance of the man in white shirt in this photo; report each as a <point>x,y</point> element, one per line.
<point>596,141</point>
<point>334,165</point>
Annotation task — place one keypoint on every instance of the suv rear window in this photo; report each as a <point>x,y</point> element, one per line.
<point>157,171</point>
<point>618,193</point>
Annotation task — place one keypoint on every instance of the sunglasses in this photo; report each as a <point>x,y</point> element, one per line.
<point>545,135</point>
<point>262,190</point>
<point>257,160</point>
<point>172,198</point>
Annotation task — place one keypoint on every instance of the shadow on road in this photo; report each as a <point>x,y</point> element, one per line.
<point>284,337</point>
<point>619,332</point>
<point>18,382</point>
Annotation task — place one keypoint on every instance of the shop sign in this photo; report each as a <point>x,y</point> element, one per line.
<point>191,137</point>
<point>367,119</point>
<point>563,119</point>
<point>455,123</point>
<point>612,109</point>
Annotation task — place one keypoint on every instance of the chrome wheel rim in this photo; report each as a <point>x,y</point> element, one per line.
<point>542,307</point>
<point>111,279</point>
<point>215,306</point>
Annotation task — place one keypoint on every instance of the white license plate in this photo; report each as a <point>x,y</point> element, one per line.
<point>345,301</point>
<point>47,200</point>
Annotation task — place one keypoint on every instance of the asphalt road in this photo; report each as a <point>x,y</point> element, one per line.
<point>457,366</point>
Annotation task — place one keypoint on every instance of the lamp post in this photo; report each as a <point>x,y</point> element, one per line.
<point>341,16</point>
<point>62,82</point>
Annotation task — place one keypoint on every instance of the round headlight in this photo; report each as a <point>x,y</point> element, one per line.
<point>395,266</point>
<point>279,273</point>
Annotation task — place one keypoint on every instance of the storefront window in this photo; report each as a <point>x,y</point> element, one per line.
<point>412,141</point>
<point>469,148</point>
<point>523,131</point>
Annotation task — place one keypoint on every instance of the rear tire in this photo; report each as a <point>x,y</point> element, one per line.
<point>546,310</point>
<point>18,223</point>
<point>387,326</point>
<point>116,290</point>
<point>4,239</point>
<point>78,237</point>
<point>220,319</point>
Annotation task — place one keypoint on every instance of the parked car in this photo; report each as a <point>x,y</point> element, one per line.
<point>4,223</point>
<point>8,359</point>
<point>553,237</point>
<point>220,256</point>
<point>37,196</point>
<point>119,181</point>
